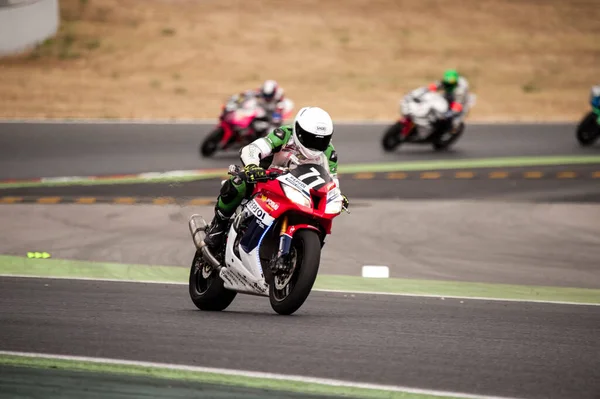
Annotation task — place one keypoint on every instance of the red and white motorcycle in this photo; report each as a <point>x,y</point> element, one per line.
<point>425,121</point>
<point>274,240</point>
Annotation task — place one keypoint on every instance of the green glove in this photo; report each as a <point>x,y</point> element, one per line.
<point>254,173</point>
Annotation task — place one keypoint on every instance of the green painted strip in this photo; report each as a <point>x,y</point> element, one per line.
<point>100,270</point>
<point>210,378</point>
<point>459,288</point>
<point>14,265</point>
<point>346,169</point>
<point>470,164</point>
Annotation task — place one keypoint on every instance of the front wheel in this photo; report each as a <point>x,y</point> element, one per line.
<point>391,138</point>
<point>446,139</point>
<point>588,130</point>
<point>206,287</point>
<point>211,143</point>
<point>306,257</point>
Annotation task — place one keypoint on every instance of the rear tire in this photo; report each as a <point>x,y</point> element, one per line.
<point>391,138</point>
<point>440,145</point>
<point>211,143</point>
<point>208,293</point>
<point>588,130</point>
<point>307,245</point>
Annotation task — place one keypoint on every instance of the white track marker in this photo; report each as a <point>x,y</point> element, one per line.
<point>371,271</point>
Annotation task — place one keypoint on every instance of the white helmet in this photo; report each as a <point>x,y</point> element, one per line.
<point>313,129</point>
<point>269,90</point>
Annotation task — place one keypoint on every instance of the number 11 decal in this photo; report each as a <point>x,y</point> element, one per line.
<point>314,173</point>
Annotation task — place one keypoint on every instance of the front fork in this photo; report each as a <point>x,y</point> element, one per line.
<point>285,239</point>
<point>286,233</point>
<point>282,264</point>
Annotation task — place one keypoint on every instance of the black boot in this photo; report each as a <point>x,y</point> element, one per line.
<point>215,233</point>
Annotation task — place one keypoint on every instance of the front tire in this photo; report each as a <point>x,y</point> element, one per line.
<point>441,144</point>
<point>307,247</point>
<point>588,130</point>
<point>391,138</point>
<point>211,143</point>
<point>206,287</point>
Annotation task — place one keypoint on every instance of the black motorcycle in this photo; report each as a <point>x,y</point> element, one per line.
<point>588,130</point>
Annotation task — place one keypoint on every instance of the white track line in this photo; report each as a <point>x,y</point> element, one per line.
<point>475,298</point>
<point>253,374</point>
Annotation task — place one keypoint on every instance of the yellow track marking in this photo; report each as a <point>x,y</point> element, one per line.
<point>364,176</point>
<point>125,200</point>
<point>397,175</point>
<point>163,201</point>
<point>85,200</point>
<point>498,175</point>
<point>533,175</point>
<point>431,175</point>
<point>10,200</point>
<point>201,201</point>
<point>464,175</point>
<point>48,200</point>
<point>566,175</point>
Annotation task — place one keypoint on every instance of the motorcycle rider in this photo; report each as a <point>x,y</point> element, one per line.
<point>271,98</point>
<point>455,89</point>
<point>308,140</point>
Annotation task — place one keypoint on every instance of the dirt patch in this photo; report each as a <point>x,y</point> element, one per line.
<point>525,59</point>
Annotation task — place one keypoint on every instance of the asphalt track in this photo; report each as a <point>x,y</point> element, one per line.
<point>484,347</point>
<point>477,241</point>
<point>31,150</point>
<point>496,348</point>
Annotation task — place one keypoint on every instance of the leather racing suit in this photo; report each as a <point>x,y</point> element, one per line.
<point>275,150</point>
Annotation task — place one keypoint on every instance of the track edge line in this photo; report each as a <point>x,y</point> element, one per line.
<point>406,294</point>
<point>249,374</point>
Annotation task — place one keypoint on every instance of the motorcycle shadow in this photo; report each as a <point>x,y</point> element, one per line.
<point>254,313</point>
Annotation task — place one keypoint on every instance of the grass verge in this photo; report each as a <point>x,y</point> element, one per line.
<point>231,379</point>
<point>14,265</point>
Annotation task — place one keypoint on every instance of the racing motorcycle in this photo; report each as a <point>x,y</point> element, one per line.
<point>240,124</point>
<point>425,120</point>
<point>588,130</point>
<point>273,242</point>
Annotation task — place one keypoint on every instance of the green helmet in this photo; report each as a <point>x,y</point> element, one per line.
<point>450,80</point>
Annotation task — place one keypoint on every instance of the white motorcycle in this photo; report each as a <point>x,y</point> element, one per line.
<point>425,120</point>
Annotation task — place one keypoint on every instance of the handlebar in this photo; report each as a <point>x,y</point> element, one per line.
<point>236,170</point>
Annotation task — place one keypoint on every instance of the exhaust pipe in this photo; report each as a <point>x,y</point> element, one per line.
<point>197,227</point>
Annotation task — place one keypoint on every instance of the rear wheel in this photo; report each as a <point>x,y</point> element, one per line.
<point>206,287</point>
<point>391,138</point>
<point>446,139</point>
<point>588,130</point>
<point>211,142</point>
<point>288,293</point>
